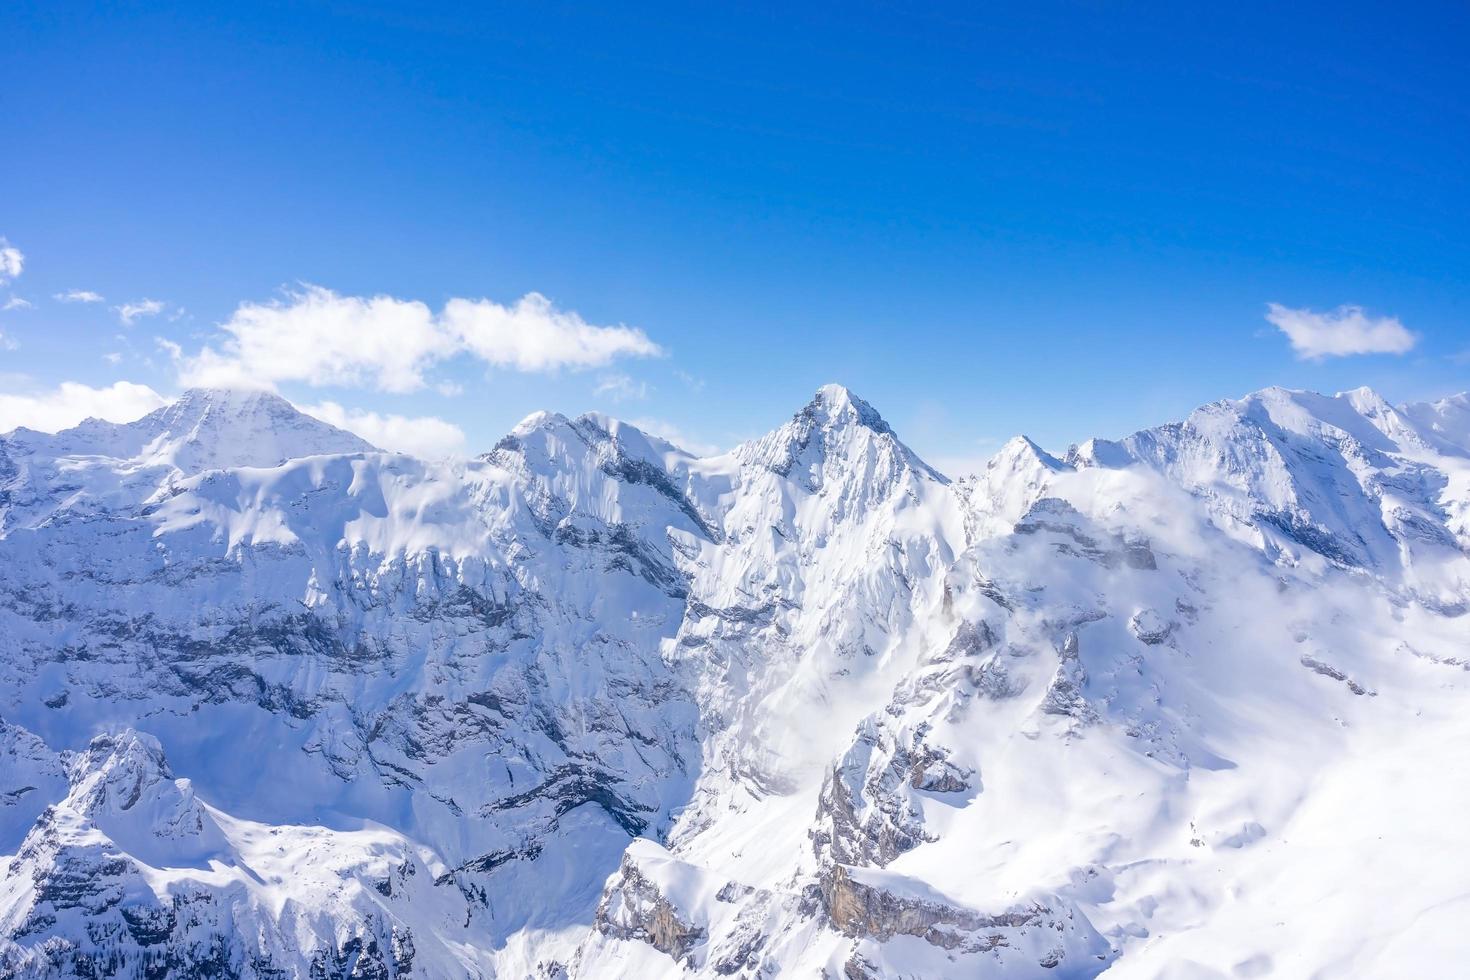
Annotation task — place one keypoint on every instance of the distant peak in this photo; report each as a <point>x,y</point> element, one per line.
<point>1022,447</point>
<point>1100,453</point>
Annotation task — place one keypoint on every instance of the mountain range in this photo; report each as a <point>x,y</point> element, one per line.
<point>275,703</point>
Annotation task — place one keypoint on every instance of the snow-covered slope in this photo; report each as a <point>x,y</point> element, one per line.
<point>277,704</point>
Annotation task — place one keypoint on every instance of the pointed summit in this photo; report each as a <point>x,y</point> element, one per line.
<point>834,404</point>
<point>835,429</point>
<point>1021,451</point>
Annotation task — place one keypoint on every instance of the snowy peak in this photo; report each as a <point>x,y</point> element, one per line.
<point>835,405</point>
<point>598,468</point>
<point>1020,453</point>
<point>99,466</point>
<point>1099,454</point>
<point>1348,477</point>
<point>1447,420</point>
<point>122,785</point>
<point>116,772</point>
<point>203,429</point>
<point>835,430</point>
<point>1013,480</point>
<point>209,428</point>
<point>549,435</point>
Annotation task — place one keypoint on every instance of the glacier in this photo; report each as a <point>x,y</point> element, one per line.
<point>1189,703</point>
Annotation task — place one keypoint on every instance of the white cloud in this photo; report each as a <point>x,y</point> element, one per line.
<point>128,313</point>
<point>78,296</point>
<point>112,358</point>
<point>672,433</point>
<point>11,261</point>
<point>620,387</point>
<point>424,435</point>
<point>7,342</point>
<point>16,303</point>
<point>318,337</point>
<point>533,335</point>
<point>1344,331</point>
<point>71,402</point>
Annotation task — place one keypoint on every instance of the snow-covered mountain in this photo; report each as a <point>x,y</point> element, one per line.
<point>1185,704</point>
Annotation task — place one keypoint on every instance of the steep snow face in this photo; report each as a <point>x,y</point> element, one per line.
<point>277,704</point>
<point>832,537</point>
<point>1347,479</point>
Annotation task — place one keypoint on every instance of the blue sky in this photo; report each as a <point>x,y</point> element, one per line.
<point>1064,221</point>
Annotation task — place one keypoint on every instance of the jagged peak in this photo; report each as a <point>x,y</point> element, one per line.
<point>123,784</point>
<point>128,748</point>
<point>835,404</point>
<point>835,421</point>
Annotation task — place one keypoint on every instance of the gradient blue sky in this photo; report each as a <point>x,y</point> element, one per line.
<point>1065,220</point>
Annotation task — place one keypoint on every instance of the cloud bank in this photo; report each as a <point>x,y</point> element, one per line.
<point>424,436</point>
<point>318,337</point>
<point>70,402</point>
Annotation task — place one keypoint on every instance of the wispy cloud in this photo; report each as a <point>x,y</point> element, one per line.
<point>319,337</point>
<point>16,303</point>
<point>78,296</point>
<point>12,262</point>
<point>7,342</point>
<point>129,313</point>
<point>620,388</point>
<point>1342,332</point>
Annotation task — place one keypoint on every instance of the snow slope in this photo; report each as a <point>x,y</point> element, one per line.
<point>1183,704</point>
